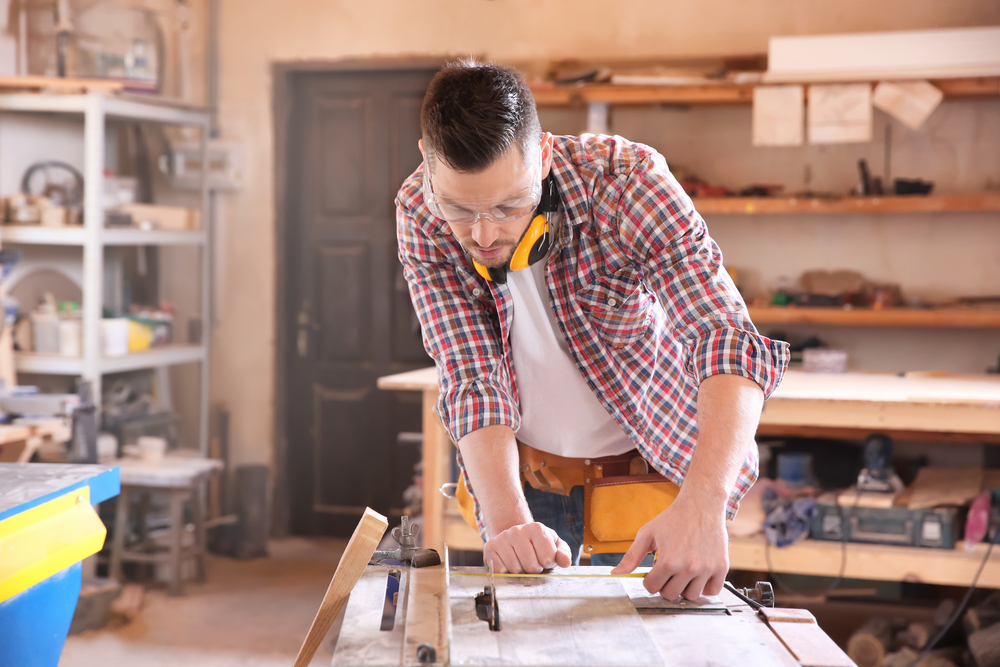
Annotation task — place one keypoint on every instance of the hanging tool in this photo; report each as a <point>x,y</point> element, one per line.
<point>408,552</point>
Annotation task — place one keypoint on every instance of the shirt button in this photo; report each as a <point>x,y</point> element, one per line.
<point>612,302</point>
<point>477,292</point>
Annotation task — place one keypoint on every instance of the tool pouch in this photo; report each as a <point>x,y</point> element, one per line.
<point>619,499</point>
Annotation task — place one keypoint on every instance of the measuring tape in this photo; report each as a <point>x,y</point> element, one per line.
<point>526,576</point>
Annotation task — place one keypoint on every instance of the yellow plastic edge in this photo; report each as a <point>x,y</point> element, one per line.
<point>44,540</point>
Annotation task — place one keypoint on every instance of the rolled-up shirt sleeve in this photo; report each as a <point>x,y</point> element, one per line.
<point>683,267</point>
<point>460,330</point>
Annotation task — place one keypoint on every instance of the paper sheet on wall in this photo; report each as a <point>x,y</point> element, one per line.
<point>778,115</point>
<point>840,114</point>
<point>909,102</point>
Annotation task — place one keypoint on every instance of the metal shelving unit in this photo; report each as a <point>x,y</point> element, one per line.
<point>93,238</point>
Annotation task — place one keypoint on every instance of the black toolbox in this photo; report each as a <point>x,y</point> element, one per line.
<point>933,528</point>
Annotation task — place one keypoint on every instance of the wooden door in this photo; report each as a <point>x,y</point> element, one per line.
<point>352,140</point>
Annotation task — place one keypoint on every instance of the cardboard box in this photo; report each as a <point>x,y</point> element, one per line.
<point>171,218</point>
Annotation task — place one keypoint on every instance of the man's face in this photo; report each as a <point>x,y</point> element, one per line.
<point>491,243</point>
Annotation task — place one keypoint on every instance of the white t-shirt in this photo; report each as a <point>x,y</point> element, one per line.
<point>559,412</point>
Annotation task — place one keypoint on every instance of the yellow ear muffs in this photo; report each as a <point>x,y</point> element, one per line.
<point>535,241</point>
<point>527,251</point>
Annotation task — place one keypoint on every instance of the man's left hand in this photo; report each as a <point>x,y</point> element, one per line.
<point>692,550</point>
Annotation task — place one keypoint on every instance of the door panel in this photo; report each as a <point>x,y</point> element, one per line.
<point>346,145</point>
<point>352,141</point>
<point>344,304</point>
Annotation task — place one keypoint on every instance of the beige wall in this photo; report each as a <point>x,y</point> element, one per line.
<point>258,33</point>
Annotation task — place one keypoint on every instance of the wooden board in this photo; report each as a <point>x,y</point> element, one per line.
<point>945,486</point>
<point>798,631</point>
<point>947,567</point>
<point>427,596</point>
<point>719,94</point>
<point>960,404</point>
<point>352,565</point>
<point>887,204</point>
<point>549,621</point>
<point>872,56</point>
<point>888,317</point>
<point>61,84</point>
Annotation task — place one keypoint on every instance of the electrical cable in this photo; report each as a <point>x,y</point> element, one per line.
<point>958,609</point>
<point>843,554</point>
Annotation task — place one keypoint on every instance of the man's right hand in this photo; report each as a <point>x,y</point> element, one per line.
<point>526,549</point>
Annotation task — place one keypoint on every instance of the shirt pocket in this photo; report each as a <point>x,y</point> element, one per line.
<point>618,307</point>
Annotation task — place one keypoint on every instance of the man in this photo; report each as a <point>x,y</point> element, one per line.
<point>605,326</point>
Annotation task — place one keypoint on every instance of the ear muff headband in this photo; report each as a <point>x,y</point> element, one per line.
<point>535,242</point>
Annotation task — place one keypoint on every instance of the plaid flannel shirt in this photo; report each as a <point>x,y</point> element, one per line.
<point>637,287</point>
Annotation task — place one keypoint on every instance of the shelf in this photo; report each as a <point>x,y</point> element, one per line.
<point>125,107</point>
<point>888,317</point>
<point>76,236</point>
<point>893,204</point>
<point>722,93</point>
<point>54,364</point>
<point>945,567</point>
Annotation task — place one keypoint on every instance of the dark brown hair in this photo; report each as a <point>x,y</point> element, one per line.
<point>473,113</point>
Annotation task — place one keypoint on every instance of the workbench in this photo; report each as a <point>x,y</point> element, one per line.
<point>564,619</point>
<point>842,405</point>
<point>47,527</point>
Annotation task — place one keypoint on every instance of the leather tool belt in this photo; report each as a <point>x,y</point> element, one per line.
<point>621,494</point>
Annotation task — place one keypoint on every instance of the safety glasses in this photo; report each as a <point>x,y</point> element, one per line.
<point>498,209</point>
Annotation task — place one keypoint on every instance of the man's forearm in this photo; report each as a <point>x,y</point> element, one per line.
<point>728,413</point>
<point>490,456</point>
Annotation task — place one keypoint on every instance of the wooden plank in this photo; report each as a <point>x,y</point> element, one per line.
<point>847,433</point>
<point>899,54</point>
<point>888,204</point>
<point>947,567</point>
<point>427,615</point>
<point>945,486</point>
<point>798,631</point>
<point>361,640</point>
<point>722,94</point>
<point>889,317</point>
<point>810,645</point>
<point>352,564</point>
<point>957,404</point>
<point>18,82</point>
<point>550,621</point>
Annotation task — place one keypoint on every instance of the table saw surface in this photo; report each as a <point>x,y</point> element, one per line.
<point>566,620</point>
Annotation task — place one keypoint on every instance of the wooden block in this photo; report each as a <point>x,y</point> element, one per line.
<point>428,615</point>
<point>870,643</point>
<point>850,498</point>
<point>787,615</point>
<point>945,486</point>
<point>352,564</point>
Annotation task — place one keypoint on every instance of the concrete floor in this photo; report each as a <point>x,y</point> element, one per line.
<point>249,613</point>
